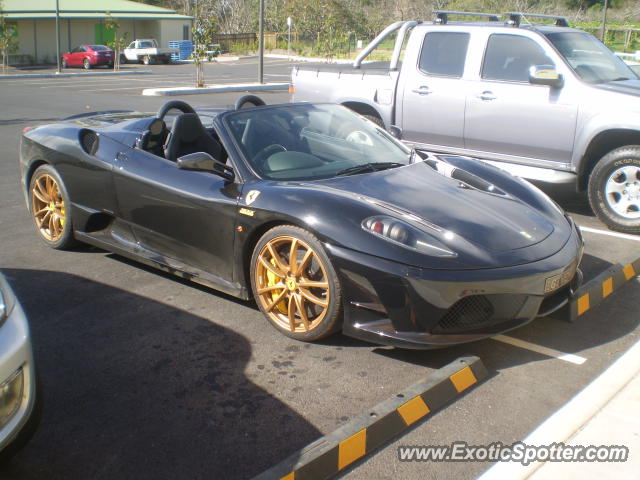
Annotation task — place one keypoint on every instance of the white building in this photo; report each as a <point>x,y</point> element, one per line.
<point>83,22</point>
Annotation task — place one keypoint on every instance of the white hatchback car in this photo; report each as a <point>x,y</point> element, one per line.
<point>20,396</point>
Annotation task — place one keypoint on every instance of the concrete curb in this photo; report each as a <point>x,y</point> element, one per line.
<point>235,87</point>
<point>597,289</point>
<point>566,421</point>
<point>66,75</point>
<point>376,427</point>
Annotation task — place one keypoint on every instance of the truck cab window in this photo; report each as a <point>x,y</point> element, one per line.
<point>444,53</point>
<point>509,57</point>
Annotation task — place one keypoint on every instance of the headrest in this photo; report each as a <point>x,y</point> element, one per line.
<point>188,126</point>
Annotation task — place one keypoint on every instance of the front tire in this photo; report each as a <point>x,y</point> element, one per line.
<point>50,208</point>
<point>86,64</point>
<point>295,284</point>
<point>64,63</point>
<point>614,189</point>
<point>147,60</point>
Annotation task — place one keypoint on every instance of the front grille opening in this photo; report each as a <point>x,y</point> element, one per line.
<point>477,312</point>
<point>467,313</point>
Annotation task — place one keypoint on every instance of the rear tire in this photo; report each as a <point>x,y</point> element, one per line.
<point>50,208</point>
<point>146,60</point>
<point>614,189</point>
<point>375,119</point>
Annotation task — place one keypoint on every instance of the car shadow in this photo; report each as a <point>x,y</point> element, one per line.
<point>134,388</point>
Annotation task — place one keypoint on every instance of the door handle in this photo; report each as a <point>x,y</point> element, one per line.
<point>487,95</point>
<point>423,90</point>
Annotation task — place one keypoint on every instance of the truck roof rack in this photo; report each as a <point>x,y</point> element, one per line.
<point>516,17</point>
<point>442,16</point>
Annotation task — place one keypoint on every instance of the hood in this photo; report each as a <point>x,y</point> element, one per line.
<point>626,87</point>
<point>493,220</point>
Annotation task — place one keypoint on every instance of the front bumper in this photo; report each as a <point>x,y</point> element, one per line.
<point>16,354</point>
<point>395,304</point>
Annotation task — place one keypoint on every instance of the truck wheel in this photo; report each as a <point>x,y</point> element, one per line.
<point>614,189</point>
<point>123,60</point>
<point>147,60</point>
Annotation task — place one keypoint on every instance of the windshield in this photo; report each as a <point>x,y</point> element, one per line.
<point>99,48</point>
<point>589,58</point>
<point>308,142</point>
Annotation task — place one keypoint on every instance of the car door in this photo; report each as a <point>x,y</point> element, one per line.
<point>433,99</point>
<point>73,57</point>
<point>508,117</point>
<point>130,52</point>
<point>182,215</point>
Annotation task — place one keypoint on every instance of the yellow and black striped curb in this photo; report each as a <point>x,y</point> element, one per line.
<point>366,433</point>
<point>597,289</point>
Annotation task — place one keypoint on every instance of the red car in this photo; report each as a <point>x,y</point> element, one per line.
<point>88,56</point>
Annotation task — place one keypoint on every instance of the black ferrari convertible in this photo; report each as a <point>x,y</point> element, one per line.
<point>325,218</point>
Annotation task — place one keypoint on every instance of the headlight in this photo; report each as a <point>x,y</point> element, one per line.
<point>11,396</point>
<point>401,233</point>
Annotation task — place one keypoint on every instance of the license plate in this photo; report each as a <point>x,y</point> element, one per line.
<point>560,280</point>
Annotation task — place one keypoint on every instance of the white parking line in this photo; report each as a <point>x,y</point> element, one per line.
<point>574,414</point>
<point>611,234</point>
<point>550,352</point>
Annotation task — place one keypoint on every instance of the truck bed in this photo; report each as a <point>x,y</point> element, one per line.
<point>370,68</point>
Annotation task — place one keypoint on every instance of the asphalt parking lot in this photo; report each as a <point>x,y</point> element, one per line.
<point>149,376</point>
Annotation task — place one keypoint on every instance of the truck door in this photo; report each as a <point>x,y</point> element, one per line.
<point>433,91</point>
<point>507,116</point>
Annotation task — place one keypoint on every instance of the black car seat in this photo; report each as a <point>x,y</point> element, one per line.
<point>188,135</point>
<point>154,138</point>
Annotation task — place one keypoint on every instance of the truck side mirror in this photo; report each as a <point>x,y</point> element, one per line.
<point>545,75</point>
<point>395,131</point>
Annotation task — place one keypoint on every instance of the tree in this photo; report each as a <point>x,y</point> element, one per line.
<point>118,43</point>
<point>204,26</point>
<point>8,39</point>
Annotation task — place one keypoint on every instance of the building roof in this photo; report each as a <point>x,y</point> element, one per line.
<point>36,9</point>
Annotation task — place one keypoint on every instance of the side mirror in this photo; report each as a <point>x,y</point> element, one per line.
<point>545,75</point>
<point>395,132</point>
<point>203,162</point>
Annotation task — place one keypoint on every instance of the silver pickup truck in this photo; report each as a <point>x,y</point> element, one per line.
<point>544,101</point>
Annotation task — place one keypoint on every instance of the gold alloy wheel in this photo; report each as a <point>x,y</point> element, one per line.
<point>292,284</point>
<point>48,207</point>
